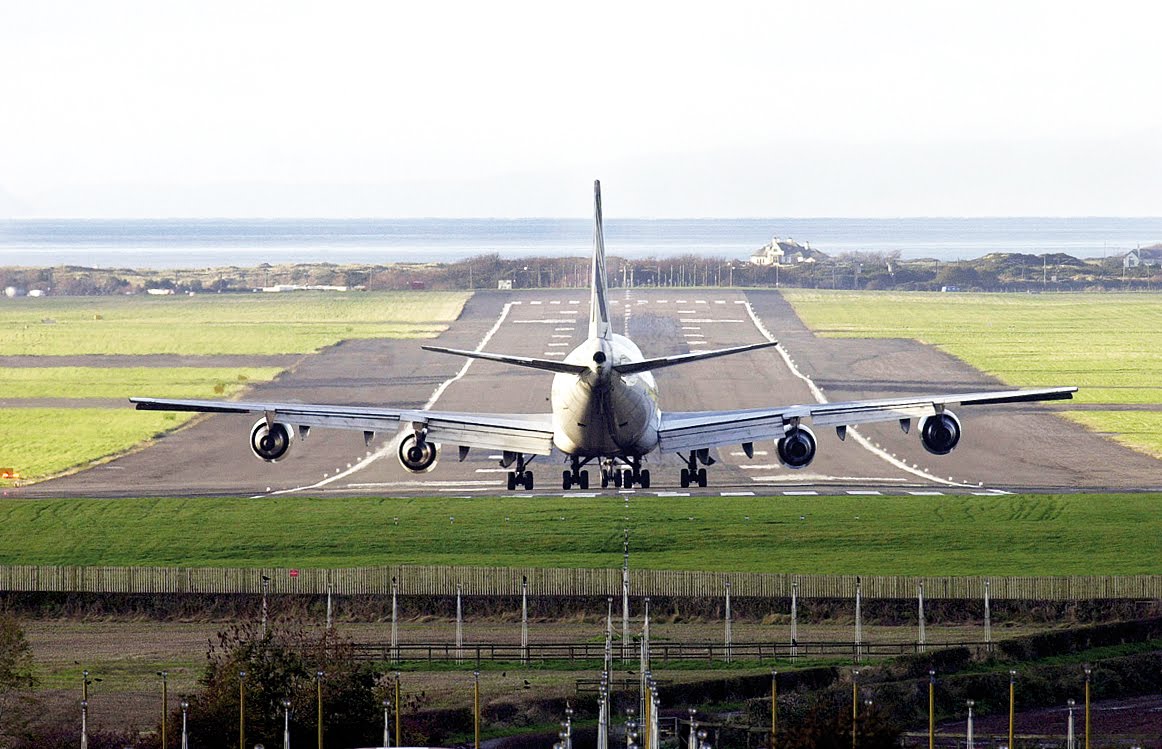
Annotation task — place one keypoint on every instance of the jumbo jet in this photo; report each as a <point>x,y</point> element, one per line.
<point>605,413</point>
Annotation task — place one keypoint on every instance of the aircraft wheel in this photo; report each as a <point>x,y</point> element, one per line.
<point>584,479</point>
<point>528,480</point>
<point>645,478</point>
<point>567,480</point>
<point>511,480</point>
<point>627,479</point>
<point>617,479</point>
<point>702,477</point>
<point>604,479</point>
<point>684,478</point>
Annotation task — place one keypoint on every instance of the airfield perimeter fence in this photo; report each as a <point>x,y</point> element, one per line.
<point>430,580</point>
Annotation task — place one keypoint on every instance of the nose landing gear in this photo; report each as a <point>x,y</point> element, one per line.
<point>625,474</point>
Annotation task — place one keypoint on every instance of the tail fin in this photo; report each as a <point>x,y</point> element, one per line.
<point>599,326</point>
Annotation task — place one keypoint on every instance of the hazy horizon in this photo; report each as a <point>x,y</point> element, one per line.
<point>133,109</point>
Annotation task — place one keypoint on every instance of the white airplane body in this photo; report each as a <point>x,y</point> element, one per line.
<point>604,408</point>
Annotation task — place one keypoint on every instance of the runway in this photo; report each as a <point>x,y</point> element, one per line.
<point>1004,448</point>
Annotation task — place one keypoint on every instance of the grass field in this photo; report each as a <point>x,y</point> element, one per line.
<point>293,323</point>
<point>1109,345</point>
<point>40,447</point>
<point>1004,535</point>
<point>122,382</point>
<point>204,325</point>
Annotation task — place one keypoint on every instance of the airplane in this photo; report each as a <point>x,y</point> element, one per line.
<point>604,411</point>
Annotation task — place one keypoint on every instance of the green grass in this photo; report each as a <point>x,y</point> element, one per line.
<point>1140,430</point>
<point>122,382</point>
<point>36,441</point>
<point>292,323</point>
<point>1004,535</point>
<point>1109,345</point>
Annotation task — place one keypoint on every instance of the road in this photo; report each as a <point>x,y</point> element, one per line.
<point>1004,448</point>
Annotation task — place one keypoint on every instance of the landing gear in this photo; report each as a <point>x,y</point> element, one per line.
<point>692,474</point>
<point>580,478</point>
<point>624,474</point>
<point>575,476</point>
<point>520,477</point>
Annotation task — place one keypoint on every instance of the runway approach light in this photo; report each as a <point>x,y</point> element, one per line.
<point>9,473</point>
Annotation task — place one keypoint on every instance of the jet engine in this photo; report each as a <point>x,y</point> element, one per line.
<point>417,456</point>
<point>940,432</point>
<point>270,442</point>
<point>796,448</point>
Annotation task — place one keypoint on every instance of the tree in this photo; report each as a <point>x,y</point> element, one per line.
<point>16,681</point>
<point>283,665</point>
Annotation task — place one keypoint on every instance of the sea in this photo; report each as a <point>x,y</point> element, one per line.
<point>201,243</point>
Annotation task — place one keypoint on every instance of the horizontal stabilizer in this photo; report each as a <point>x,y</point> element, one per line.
<point>627,368</point>
<point>548,365</point>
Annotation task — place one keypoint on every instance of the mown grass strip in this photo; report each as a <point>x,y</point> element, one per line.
<point>1108,344</point>
<point>257,324</point>
<point>48,441</point>
<point>122,382</point>
<point>1004,535</point>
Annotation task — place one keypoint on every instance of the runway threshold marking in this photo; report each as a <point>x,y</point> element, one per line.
<point>821,398</point>
<point>800,494</point>
<point>927,494</point>
<point>736,494</point>
<point>393,443</point>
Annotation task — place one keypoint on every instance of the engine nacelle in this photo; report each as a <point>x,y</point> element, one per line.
<point>796,448</point>
<point>270,443</point>
<point>416,456</point>
<point>940,433</point>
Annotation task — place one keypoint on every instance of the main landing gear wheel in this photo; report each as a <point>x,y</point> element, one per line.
<point>688,477</point>
<point>523,479</point>
<point>581,479</point>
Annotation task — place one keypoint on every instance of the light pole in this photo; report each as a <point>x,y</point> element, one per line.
<point>476,708</point>
<point>386,723</point>
<point>265,589</point>
<point>774,708</point>
<point>319,704</point>
<point>854,704</point>
<point>1012,701</point>
<point>241,710</point>
<point>84,724</point>
<point>693,729</point>
<point>1088,671</point>
<point>968,737</point>
<point>286,704</point>
<point>164,707</point>
<point>1070,741</point>
<point>185,731</point>
<point>931,708</point>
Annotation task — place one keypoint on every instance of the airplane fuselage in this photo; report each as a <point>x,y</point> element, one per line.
<point>602,413</point>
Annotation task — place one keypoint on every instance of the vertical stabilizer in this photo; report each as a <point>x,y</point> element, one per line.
<point>599,326</point>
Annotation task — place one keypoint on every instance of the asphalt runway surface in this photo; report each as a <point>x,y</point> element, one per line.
<point>1016,448</point>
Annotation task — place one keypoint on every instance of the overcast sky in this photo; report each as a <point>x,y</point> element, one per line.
<point>396,109</point>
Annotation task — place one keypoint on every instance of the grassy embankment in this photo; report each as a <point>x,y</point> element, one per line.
<point>202,326</point>
<point>1000,535</point>
<point>1110,345</point>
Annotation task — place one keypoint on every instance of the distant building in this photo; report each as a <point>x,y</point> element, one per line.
<point>1148,256</point>
<point>785,252</point>
<point>505,285</point>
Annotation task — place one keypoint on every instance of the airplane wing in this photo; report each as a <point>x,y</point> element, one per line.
<point>681,432</point>
<point>523,433</point>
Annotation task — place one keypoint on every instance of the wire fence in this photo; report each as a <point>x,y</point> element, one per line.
<point>430,580</point>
